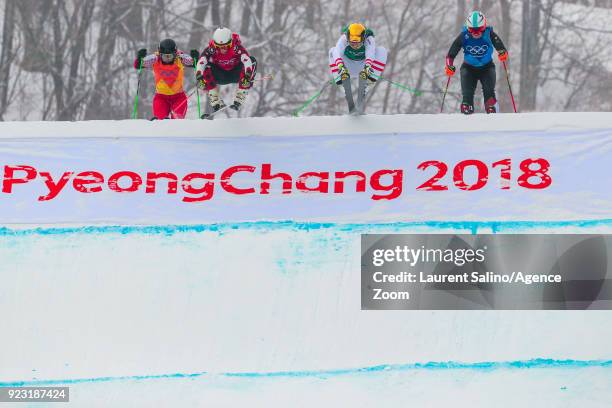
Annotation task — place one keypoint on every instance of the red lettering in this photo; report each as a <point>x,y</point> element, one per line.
<point>152,178</point>
<point>266,176</point>
<point>9,177</point>
<point>54,188</point>
<point>481,178</point>
<point>322,186</point>
<point>541,172</point>
<point>207,190</point>
<point>430,185</point>
<point>83,182</point>
<point>113,182</point>
<point>506,168</point>
<point>360,186</point>
<point>226,180</point>
<point>395,188</point>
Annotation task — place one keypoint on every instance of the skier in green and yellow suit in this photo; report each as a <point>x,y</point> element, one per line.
<point>357,55</point>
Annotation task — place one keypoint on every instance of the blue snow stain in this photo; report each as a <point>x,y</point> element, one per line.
<point>262,226</point>
<point>538,363</point>
<point>434,365</point>
<point>101,379</point>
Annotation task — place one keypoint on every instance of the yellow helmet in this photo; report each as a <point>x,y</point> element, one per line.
<point>356,32</point>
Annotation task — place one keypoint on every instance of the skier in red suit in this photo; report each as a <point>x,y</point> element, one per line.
<point>168,65</point>
<point>225,61</point>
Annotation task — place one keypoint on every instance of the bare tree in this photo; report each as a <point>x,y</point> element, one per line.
<point>198,29</point>
<point>7,56</point>
<point>73,59</point>
<point>215,11</point>
<point>537,24</point>
<point>461,13</point>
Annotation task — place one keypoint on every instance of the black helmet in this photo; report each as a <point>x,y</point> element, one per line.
<point>167,46</point>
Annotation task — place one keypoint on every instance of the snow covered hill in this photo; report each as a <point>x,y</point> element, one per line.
<point>310,125</point>
<point>139,299</point>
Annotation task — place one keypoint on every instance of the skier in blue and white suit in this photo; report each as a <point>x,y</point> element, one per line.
<point>477,41</point>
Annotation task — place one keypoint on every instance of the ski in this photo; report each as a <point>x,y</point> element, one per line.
<point>348,94</point>
<point>211,115</point>
<point>361,95</point>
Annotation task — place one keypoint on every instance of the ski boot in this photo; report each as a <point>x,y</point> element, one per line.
<point>216,103</point>
<point>366,80</point>
<point>239,99</point>
<point>467,109</point>
<point>491,105</point>
<point>343,74</point>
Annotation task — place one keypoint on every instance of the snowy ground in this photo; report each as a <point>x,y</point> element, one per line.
<point>260,302</point>
<point>268,314</point>
<point>309,126</point>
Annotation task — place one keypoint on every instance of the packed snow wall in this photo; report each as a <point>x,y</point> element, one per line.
<point>193,262</point>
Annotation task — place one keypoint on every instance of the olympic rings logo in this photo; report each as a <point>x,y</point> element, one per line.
<point>477,50</point>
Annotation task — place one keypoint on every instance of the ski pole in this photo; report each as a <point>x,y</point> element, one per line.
<point>189,95</point>
<point>197,91</point>
<point>445,92</point>
<point>195,56</point>
<point>312,98</point>
<point>509,86</point>
<point>416,92</point>
<point>135,111</point>
<point>264,78</point>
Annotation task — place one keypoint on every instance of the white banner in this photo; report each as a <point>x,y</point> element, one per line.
<point>375,176</point>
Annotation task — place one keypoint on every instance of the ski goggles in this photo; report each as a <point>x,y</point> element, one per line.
<point>478,30</point>
<point>167,57</point>
<point>226,46</point>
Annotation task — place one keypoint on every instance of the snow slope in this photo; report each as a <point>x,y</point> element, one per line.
<point>248,312</point>
<point>309,126</point>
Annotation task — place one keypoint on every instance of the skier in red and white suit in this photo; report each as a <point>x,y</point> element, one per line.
<point>225,61</point>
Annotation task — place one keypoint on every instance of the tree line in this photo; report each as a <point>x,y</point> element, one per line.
<point>72,59</point>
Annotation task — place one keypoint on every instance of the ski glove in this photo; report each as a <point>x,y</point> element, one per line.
<point>201,82</point>
<point>247,78</point>
<point>503,55</point>
<point>450,70</point>
<point>343,73</point>
<point>140,55</point>
<point>367,73</point>
<point>195,54</point>
<point>245,82</point>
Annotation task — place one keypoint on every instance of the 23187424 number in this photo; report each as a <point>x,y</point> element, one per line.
<point>533,174</point>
